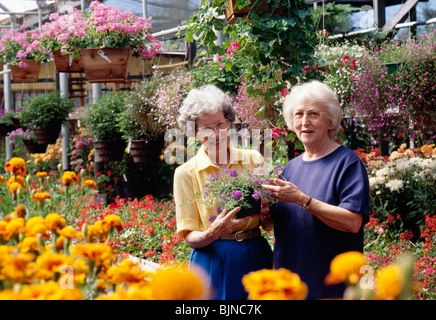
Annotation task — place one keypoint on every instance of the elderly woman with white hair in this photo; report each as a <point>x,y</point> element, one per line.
<point>323,193</point>
<point>225,248</point>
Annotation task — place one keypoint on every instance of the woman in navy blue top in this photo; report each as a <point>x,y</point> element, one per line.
<point>323,193</point>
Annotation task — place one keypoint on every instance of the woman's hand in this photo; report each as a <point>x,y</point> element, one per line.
<point>223,224</point>
<point>286,191</point>
<point>265,218</point>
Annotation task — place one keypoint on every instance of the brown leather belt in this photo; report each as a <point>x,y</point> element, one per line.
<point>242,235</point>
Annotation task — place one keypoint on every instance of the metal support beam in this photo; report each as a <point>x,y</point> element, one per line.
<point>7,94</point>
<point>379,12</point>
<point>63,86</point>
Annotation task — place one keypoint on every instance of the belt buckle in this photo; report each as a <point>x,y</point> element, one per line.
<point>236,236</point>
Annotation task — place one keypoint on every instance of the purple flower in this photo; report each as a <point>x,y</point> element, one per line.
<point>233,173</point>
<point>257,194</point>
<point>212,217</point>
<point>236,194</point>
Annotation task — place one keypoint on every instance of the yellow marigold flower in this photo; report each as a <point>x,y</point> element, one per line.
<point>15,266</point>
<point>54,221</point>
<point>95,230</point>
<point>281,284</point>
<point>16,165</point>
<point>112,221</point>
<point>14,227</point>
<point>20,210</point>
<point>34,221</point>
<point>389,282</point>
<point>41,174</point>
<point>50,263</point>
<point>2,179</point>
<point>41,196</point>
<point>176,284</point>
<point>68,232</point>
<point>126,271</point>
<point>14,187</point>
<point>49,290</point>
<point>345,267</point>
<point>18,179</point>
<point>100,254</point>
<point>427,149</point>
<point>37,229</point>
<point>29,244</point>
<point>133,292</point>
<point>3,225</point>
<point>69,177</point>
<point>90,184</point>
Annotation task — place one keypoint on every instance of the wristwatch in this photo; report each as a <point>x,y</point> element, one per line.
<point>306,206</point>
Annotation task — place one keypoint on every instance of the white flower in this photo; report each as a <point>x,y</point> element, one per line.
<point>394,184</point>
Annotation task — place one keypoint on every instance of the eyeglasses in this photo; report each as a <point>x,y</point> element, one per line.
<point>208,130</point>
<point>313,115</point>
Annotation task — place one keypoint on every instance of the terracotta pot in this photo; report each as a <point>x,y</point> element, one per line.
<point>65,62</point>
<point>143,151</point>
<point>46,136</point>
<point>29,74</point>
<point>110,150</point>
<point>99,69</point>
<point>34,147</point>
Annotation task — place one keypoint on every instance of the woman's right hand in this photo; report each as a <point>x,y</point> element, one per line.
<point>222,225</point>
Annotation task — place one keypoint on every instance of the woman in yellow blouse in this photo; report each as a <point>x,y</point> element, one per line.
<point>225,248</point>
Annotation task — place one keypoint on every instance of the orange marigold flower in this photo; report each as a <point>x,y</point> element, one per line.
<point>13,179</point>
<point>2,179</point>
<point>100,254</point>
<point>345,267</point>
<point>54,221</point>
<point>389,282</point>
<point>41,196</point>
<point>68,232</point>
<point>280,284</point>
<point>20,210</point>
<point>41,174</point>
<point>14,187</point>
<point>14,227</point>
<point>48,290</point>
<point>29,244</point>
<point>112,221</point>
<point>90,184</point>
<point>69,177</point>
<point>16,165</point>
<point>128,272</point>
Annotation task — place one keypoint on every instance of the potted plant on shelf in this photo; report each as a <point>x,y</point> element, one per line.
<point>104,37</point>
<point>151,110</point>
<point>44,114</point>
<point>22,50</point>
<point>101,119</point>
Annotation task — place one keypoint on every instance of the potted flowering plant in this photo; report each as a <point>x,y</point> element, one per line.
<point>22,50</point>
<point>6,124</point>
<point>44,114</point>
<point>101,119</point>
<point>150,111</point>
<point>229,189</point>
<point>26,137</point>
<point>106,36</point>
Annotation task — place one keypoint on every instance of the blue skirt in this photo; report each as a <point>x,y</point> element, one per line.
<point>226,261</point>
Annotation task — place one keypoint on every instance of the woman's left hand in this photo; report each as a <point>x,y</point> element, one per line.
<point>286,191</point>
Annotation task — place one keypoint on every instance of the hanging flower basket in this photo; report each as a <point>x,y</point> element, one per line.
<point>29,74</point>
<point>46,136</point>
<point>34,147</point>
<point>106,64</point>
<point>66,62</point>
<point>232,14</point>
<point>110,150</point>
<point>143,151</point>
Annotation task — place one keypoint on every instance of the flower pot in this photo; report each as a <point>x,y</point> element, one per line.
<point>392,67</point>
<point>110,150</point>
<point>46,136</point>
<point>34,147</point>
<point>106,64</point>
<point>143,151</point>
<point>66,63</point>
<point>5,128</point>
<point>254,210</point>
<point>29,74</point>
<point>232,14</point>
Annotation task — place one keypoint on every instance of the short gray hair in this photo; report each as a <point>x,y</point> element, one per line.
<point>205,100</point>
<point>318,93</point>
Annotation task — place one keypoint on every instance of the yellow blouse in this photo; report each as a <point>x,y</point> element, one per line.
<point>189,179</point>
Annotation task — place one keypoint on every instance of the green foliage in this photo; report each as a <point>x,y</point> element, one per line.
<point>48,110</point>
<point>101,118</point>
